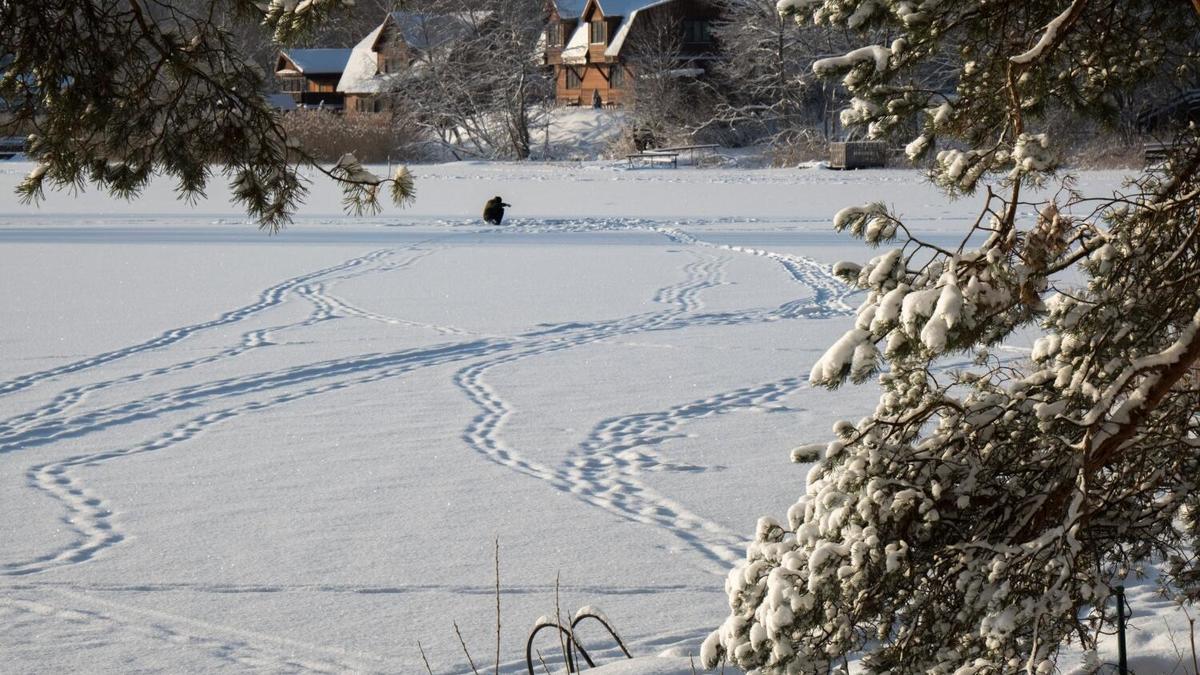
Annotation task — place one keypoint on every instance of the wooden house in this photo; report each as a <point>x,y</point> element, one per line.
<point>310,76</point>
<point>594,45</point>
<point>399,44</point>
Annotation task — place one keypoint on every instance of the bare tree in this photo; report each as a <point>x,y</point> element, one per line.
<point>477,90</point>
<point>668,98</point>
<point>767,93</point>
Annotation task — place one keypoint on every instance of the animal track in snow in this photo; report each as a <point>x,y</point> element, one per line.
<point>92,518</point>
<point>271,297</point>
<point>605,467</point>
<point>109,622</point>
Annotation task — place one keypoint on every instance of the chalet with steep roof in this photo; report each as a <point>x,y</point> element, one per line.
<point>591,43</point>
<point>379,62</point>
<point>310,76</point>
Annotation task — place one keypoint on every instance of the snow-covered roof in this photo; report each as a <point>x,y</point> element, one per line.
<point>618,41</point>
<point>573,9</point>
<point>318,61</point>
<point>361,75</point>
<point>577,47</point>
<point>420,32</point>
<point>425,31</point>
<point>570,9</point>
<point>627,7</point>
<point>576,50</point>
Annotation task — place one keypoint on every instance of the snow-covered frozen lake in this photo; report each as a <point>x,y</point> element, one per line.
<point>226,451</point>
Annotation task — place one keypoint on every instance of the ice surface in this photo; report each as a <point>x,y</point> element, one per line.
<point>225,451</point>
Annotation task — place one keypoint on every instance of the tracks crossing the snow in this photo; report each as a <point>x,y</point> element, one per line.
<point>606,470</point>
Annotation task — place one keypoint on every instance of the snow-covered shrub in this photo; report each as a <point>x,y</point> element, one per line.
<point>979,518</point>
<point>373,138</point>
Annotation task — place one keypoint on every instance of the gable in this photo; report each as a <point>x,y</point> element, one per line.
<point>285,66</point>
<point>426,31</point>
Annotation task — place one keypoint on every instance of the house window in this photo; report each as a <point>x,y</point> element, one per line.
<point>573,80</point>
<point>554,34</point>
<point>392,63</point>
<point>291,84</point>
<point>599,32</point>
<point>616,76</point>
<point>696,31</point>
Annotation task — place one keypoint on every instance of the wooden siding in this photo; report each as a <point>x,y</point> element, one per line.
<point>595,77</point>
<point>366,104</point>
<point>393,53</point>
<point>321,83</point>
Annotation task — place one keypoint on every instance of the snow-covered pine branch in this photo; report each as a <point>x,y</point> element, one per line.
<point>1050,35</point>
<point>980,518</point>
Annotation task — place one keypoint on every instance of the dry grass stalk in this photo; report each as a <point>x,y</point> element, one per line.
<point>428,669</point>
<point>497,556</point>
<point>465,650</point>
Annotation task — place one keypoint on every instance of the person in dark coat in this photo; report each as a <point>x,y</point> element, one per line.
<point>493,211</point>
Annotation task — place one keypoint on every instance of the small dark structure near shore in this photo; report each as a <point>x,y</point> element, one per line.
<point>11,146</point>
<point>857,154</point>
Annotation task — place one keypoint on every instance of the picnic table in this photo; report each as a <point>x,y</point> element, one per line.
<point>690,149</point>
<point>652,157</point>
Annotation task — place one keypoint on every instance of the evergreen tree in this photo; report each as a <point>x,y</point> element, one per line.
<point>979,519</point>
<point>111,92</point>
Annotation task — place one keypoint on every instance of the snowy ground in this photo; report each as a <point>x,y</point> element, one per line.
<point>224,451</point>
<point>577,132</point>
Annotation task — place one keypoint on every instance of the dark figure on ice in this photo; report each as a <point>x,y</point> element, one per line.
<point>493,211</point>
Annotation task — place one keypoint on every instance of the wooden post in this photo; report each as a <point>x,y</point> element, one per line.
<point>1122,658</point>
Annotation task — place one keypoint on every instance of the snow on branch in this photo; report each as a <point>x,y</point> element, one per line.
<point>1178,357</point>
<point>1051,35</point>
<point>876,53</point>
<point>786,7</point>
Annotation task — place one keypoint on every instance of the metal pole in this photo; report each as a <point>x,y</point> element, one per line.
<point>1122,660</point>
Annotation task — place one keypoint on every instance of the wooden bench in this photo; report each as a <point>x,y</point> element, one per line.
<point>691,150</point>
<point>652,158</point>
<point>1155,153</point>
